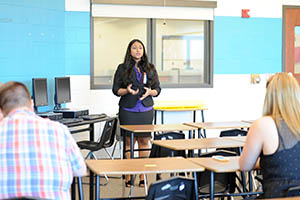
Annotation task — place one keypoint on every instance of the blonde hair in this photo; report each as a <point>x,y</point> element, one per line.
<point>282,101</point>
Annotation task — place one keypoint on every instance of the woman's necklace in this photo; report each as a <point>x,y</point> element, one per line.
<point>137,68</point>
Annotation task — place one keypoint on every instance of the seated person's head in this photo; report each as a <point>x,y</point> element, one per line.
<point>282,100</point>
<point>14,95</point>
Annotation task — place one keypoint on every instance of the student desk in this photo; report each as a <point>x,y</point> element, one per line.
<point>202,143</point>
<point>81,127</point>
<point>177,106</point>
<point>219,167</point>
<point>142,166</point>
<point>217,125</point>
<point>248,121</point>
<point>152,128</point>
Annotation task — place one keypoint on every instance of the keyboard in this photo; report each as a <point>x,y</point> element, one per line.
<point>67,121</point>
<point>94,116</point>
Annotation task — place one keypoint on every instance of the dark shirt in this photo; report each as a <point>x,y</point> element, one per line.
<point>129,100</point>
<point>139,107</point>
<point>281,170</point>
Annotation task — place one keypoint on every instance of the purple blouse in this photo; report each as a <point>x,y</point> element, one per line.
<point>139,107</point>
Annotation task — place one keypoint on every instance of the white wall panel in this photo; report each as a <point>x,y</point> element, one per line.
<point>258,8</point>
<point>134,11</point>
<point>291,2</point>
<point>77,5</point>
<point>232,98</point>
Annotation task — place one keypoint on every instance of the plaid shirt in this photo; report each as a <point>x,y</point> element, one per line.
<point>38,157</point>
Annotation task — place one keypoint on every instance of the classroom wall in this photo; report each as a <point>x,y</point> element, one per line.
<point>52,38</point>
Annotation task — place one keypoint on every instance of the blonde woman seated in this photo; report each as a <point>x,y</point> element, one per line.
<point>273,140</point>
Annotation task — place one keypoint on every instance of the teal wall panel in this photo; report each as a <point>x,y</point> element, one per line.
<point>41,39</point>
<point>32,41</point>
<point>247,45</point>
<point>77,43</point>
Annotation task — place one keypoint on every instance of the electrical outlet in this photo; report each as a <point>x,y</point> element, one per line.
<point>255,79</point>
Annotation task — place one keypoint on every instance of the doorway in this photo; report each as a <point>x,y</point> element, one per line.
<point>291,40</point>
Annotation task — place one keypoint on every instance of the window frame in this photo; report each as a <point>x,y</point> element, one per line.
<point>151,46</point>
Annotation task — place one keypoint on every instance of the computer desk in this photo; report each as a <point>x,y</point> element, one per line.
<point>80,129</point>
<point>141,166</point>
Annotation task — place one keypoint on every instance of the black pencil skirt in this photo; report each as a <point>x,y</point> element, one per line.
<point>135,118</point>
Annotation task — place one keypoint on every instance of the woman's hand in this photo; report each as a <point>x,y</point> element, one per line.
<point>131,91</point>
<point>147,93</point>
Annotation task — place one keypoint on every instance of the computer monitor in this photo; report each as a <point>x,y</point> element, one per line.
<point>39,92</point>
<point>62,91</point>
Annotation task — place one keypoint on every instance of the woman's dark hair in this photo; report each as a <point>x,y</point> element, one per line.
<point>129,63</point>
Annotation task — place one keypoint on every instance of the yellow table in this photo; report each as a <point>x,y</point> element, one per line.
<point>177,106</point>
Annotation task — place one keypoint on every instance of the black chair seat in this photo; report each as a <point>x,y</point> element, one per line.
<point>218,188</point>
<point>105,140</point>
<point>89,145</point>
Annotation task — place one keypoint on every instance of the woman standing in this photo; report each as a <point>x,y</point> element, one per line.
<point>273,141</point>
<point>136,81</point>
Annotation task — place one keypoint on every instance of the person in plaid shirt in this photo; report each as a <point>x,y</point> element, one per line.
<point>38,157</point>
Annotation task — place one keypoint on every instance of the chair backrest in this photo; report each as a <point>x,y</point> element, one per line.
<point>233,133</point>
<point>175,188</point>
<point>293,191</point>
<point>107,138</point>
<point>157,151</point>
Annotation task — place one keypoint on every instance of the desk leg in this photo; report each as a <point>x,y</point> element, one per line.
<point>131,157</point>
<point>202,115</point>
<point>91,185</point>
<point>80,189</point>
<point>73,189</point>
<point>196,185</point>
<point>199,136</point>
<point>97,187</point>
<point>244,183</point>
<point>211,185</point>
<point>92,134</point>
<point>191,152</point>
<point>250,181</point>
<point>124,145</point>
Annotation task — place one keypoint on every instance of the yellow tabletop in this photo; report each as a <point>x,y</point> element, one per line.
<point>179,105</point>
<point>157,128</point>
<point>143,166</point>
<point>202,143</point>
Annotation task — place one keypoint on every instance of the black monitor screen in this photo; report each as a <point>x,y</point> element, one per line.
<point>39,91</point>
<point>62,90</point>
